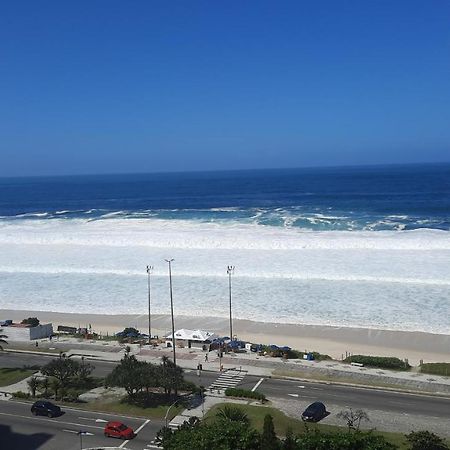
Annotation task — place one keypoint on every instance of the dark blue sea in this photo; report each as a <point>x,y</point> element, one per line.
<point>350,198</point>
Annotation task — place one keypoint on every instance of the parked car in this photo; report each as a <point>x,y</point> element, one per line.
<point>314,412</point>
<point>45,408</point>
<point>118,430</point>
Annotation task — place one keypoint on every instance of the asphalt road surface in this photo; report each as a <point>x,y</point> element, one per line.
<point>20,430</point>
<point>305,392</point>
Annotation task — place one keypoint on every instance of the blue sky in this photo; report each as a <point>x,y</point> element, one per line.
<point>110,86</point>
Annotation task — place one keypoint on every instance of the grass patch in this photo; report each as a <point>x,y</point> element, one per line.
<point>436,369</point>
<point>127,409</point>
<point>13,375</point>
<point>282,423</point>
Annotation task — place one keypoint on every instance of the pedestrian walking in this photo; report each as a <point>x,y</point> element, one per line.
<point>206,357</point>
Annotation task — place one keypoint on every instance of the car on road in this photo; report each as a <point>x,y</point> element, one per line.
<point>315,412</point>
<point>118,430</point>
<point>45,408</point>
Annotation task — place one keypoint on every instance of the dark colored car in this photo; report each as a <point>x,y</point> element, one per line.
<point>44,408</point>
<point>314,412</point>
<point>118,430</point>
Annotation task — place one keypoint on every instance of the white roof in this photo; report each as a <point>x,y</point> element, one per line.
<point>193,335</point>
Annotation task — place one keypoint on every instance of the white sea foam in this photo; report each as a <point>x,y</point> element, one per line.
<point>398,280</point>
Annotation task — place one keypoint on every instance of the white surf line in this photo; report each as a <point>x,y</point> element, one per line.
<point>257,384</point>
<point>136,432</point>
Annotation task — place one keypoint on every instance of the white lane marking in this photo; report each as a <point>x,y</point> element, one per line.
<point>50,420</point>
<point>84,433</point>
<point>100,420</point>
<point>136,432</point>
<point>301,387</point>
<point>293,395</point>
<point>257,384</point>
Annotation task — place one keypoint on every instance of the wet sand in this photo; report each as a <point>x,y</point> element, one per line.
<point>334,341</point>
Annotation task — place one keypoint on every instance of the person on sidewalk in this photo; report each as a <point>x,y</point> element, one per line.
<point>206,357</point>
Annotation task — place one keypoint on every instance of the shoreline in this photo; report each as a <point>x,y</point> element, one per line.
<point>331,340</point>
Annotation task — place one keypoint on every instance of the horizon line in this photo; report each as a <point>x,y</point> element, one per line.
<point>265,169</point>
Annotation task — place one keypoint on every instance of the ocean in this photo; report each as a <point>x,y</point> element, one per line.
<point>353,246</point>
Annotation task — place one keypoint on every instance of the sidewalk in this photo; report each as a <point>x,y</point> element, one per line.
<point>262,366</point>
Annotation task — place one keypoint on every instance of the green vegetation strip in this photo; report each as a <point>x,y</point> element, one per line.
<point>383,362</point>
<point>124,408</point>
<point>436,369</point>
<point>245,393</point>
<point>10,376</point>
<point>282,422</point>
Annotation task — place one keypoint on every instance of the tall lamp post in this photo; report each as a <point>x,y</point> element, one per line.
<point>169,261</point>
<point>149,272</point>
<point>230,271</point>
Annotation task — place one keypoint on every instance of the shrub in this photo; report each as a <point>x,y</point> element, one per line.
<point>20,394</point>
<point>424,440</point>
<point>245,393</point>
<point>33,321</point>
<point>382,362</point>
<point>436,368</point>
<point>296,354</point>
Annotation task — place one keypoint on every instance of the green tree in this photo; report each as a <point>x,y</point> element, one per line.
<point>32,321</point>
<point>2,339</point>
<point>170,376</point>
<point>44,384</point>
<point>84,370</point>
<point>55,386</point>
<point>127,374</point>
<point>269,440</point>
<point>220,435</point>
<point>33,384</point>
<point>425,440</point>
<point>62,369</point>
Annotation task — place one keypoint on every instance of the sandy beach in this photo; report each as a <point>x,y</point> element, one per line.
<point>335,341</point>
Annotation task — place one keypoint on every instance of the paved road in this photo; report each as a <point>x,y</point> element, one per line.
<point>19,429</point>
<point>305,392</point>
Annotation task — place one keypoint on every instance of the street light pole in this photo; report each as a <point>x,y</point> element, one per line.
<point>149,272</point>
<point>230,271</point>
<point>169,261</point>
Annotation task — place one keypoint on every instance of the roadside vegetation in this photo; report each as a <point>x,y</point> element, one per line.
<point>10,376</point>
<point>382,362</point>
<point>245,427</point>
<point>245,393</point>
<point>230,427</point>
<point>436,368</point>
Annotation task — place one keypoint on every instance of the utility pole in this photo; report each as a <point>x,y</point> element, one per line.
<point>149,272</point>
<point>230,271</point>
<point>169,261</point>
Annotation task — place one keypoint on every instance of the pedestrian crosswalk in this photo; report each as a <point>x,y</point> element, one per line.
<point>228,379</point>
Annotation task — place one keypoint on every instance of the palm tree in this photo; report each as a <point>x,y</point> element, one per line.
<point>233,414</point>
<point>2,339</point>
<point>55,386</point>
<point>44,385</point>
<point>33,384</point>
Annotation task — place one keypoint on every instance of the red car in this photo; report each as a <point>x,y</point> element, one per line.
<point>118,430</point>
